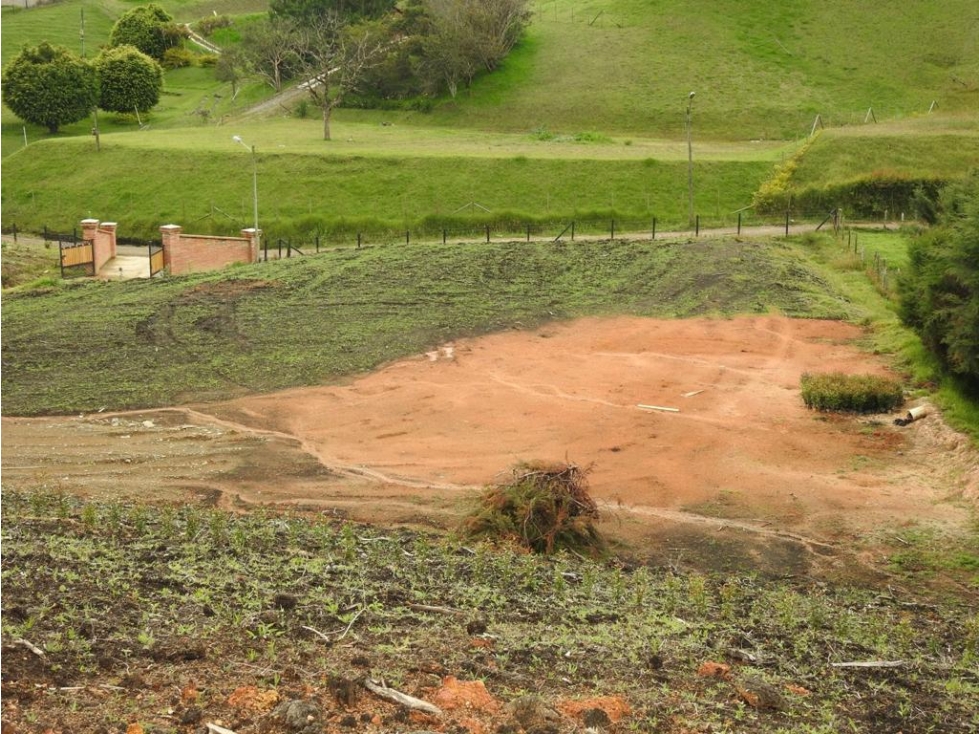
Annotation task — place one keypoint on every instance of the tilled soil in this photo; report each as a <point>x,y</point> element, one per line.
<point>724,469</point>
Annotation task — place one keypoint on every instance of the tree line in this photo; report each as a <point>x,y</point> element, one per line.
<point>361,52</point>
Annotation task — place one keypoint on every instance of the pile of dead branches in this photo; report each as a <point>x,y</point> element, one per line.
<point>543,508</point>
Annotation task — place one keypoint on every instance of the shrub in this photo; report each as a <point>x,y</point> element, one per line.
<point>835,391</point>
<point>177,58</point>
<point>543,508</point>
<point>206,26</point>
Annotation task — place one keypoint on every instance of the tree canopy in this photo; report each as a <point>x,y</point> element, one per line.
<point>50,86</point>
<point>128,79</point>
<point>311,10</point>
<point>940,290</point>
<point>149,28</point>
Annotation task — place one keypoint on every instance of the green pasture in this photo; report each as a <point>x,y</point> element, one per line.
<point>933,147</point>
<point>370,177</point>
<point>760,70</point>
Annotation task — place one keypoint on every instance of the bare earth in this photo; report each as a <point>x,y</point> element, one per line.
<point>741,476</point>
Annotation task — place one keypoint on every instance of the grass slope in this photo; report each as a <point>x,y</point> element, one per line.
<point>760,70</point>
<point>305,321</point>
<point>381,177</point>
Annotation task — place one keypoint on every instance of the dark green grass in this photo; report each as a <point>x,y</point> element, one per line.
<point>835,391</point>
<point>305,321</point>
<point>58,183</point>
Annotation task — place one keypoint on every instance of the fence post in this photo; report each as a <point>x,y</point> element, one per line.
<point>280,248</point>
<point>786,222</point>
<point>358,240</point>
<point>317,244</point>
<point>487,234</point>
<point>528,231</point>
<point>45,233</point>
<point>739,223</point>
<point>444,235</point>
<point>407,236</point>
<point>653,237</point>
<point>613,229</point>
<point>265,248</point>
<point>696,226</point>
<point>572,230</point>
<point>15,234</point>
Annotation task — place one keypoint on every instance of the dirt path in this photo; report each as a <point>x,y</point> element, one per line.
<point>741,475</point>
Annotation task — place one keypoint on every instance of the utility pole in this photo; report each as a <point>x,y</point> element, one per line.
<point>81,32</point>
<point>690,156</point>
<point>242,143</point>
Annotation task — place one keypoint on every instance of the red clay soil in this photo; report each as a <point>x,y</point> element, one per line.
<point>740,458</point>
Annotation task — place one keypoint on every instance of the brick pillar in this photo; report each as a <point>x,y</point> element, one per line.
<point>109,228</point>
<point>253,236</point>
<point>170,237</point>
<point>89,228</point>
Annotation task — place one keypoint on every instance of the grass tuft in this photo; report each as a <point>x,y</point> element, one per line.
<point>835,391</point>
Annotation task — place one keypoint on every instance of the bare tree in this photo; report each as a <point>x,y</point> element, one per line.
<point>464,37</point>
<point>270,47</point>
<point>334,57</point>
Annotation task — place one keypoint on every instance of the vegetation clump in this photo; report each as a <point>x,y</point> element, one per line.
<point>835,391</point>
<point>940,288</point>
<point>50,86</point>
<point>543,508</point>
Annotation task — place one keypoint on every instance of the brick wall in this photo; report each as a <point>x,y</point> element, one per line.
<point>102,235</point>
<point>192,253</point>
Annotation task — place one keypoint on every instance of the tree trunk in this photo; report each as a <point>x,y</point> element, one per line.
<point>327,109</point>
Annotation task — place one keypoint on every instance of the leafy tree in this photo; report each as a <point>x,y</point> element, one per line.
<point>128,79</point>
<point>149,28</point>
<point>303,11</point>
<point>940,289</point>
<point>48,85</point>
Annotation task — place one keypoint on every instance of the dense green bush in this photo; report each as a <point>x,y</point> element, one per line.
<point>940,286</point>
<point>178,58</point>
<point>149,28</point>
<point>50,86</point>
<point>835,391</point>
<point>128,80</point>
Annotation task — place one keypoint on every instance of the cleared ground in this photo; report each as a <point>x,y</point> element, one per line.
<point>741,475</point>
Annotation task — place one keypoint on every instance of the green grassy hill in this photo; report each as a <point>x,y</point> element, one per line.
<point>761,70</point>
<point>586,116</point>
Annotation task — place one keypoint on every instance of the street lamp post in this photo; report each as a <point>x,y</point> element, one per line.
<point>242,143</point>
<point>690,155</point>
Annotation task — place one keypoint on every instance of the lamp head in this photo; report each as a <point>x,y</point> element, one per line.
<point>690,96</point>
<point>237,138</point>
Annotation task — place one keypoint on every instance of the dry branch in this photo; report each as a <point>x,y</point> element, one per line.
<point>401,698</point>
<point>30,646</point>
<point>870,664</point>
